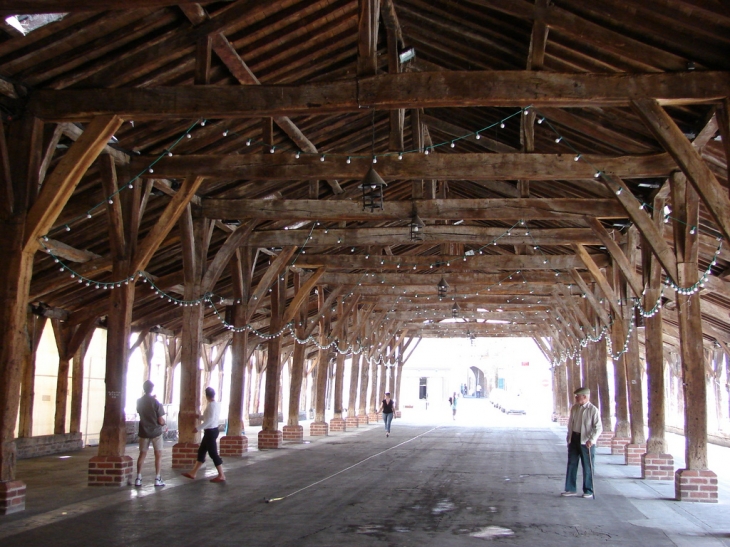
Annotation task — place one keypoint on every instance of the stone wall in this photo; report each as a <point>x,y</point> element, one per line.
<point>44,445</point>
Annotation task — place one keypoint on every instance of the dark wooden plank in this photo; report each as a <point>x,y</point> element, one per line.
<point>387,91</point>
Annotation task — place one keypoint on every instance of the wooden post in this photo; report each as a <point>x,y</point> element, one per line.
<point>657,463</point>
<point>563,408</point>
<point>604,395</point>
<point>319,426</point>
<point>352,420</point>
<point>270,436</point>
<point>184,452</point>
<point>292,431</point>
<point>696,482</point>
<point>36,323</point>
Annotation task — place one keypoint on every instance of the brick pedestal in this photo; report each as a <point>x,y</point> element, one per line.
<point>12,497</point>
<point>618,445</point>
<point>270,439</point>
<point>351,422</point>
<point>318,429</point>
<point>110,471</point>
<point>362,419</point>
<point>184,455</point>
<point>657,467</point>
<point>604,439</point>
<point>293,433</point>
<point>563,420</point>
<point>634,452</point>
<point>338,425</point>
<point>695,485</point>
<point>233,446</point>
<point>374,417</point>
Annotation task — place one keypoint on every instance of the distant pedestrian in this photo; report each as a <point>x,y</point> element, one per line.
<point>584,427</point>
<point>387,407</point>
<point>479,391</point>
<point>208,445</point>
<point>453,406</point>
<point>151,420</point>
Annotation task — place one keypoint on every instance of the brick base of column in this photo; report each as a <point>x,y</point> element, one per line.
<point>318,429</point>
<point>338,425</point>
<point>634,452</point>
<point>657,467</point>
<point>351,422</point>
<point>362,419</point>
<point>293,433</point>
<point>604,439</point>
<point>233,446</point>
<point>184,455</point>
<point>563,420</point>
<point>110,471</point>
<point>618,445</point>
<point>270,439</point>
<point>12,497</point>
<point>374,417</point>
<point>695,485</point>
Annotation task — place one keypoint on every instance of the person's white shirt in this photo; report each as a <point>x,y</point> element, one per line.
<point>211,416</point>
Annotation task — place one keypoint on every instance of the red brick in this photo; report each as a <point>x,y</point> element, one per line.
<point>338,425</point>
<point>362,419</point>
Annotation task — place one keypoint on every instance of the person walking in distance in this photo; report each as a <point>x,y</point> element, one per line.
<point>208,444</point>
<point>386,406</point>
<point>584,427</point>
<point>453,406</point>
<point>151,419</point>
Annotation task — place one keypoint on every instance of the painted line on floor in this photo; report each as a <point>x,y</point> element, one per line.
<point>352,466</point>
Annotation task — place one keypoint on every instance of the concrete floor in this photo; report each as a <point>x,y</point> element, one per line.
<point>484,477</point>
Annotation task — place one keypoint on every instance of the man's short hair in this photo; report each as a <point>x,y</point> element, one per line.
<point>148,387</point>
<point>582,391</point>
<point>209,392</point>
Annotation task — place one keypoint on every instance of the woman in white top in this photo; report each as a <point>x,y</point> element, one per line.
<point>208,445</point>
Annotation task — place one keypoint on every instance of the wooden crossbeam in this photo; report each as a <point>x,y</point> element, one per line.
<point>430,235</point>
<point>477,166</point>
<point>483,262</point>
<point>386,92</point>
<point>436,209</point>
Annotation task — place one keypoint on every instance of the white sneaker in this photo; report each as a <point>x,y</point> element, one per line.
<point>138,482</point>
<point>588,496</point>
<point>159,481</point>
<point>567,494</point>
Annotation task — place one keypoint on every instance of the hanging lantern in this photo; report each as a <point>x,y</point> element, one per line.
<point>417,225</point>
<point>442,288</point>
<point>455,310</point>
<point>372,191</point>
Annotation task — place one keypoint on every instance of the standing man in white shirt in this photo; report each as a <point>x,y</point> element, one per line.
<point>208,445</point>
<point>584,427</point>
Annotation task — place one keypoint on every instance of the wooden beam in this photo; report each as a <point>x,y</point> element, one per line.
<point>601,280</point>
<point>478,236</point>
<point>267,280</point>
<point>456,263</point>
<point>302,295</point>
<point>166,221</point>
<point>29,7</point>
<point>643,222</point>
<point>618,255</point>
<point>713,194</point>
<point>384,92</point>
<point>477,166</point>
<point>560,209</point>
<point>234,240</point>
<point>60,184</point>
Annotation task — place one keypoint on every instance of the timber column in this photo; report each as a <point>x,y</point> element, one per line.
<point>292,431</point>
<point>696,482</point>
<point>656,464</point>
<point>270,436</point>
<point>604,396</point>
<point>319,426</point>
<point>337,423</point>
<point>352,419</point>
<point>622,431</point>
<point>235,442</point>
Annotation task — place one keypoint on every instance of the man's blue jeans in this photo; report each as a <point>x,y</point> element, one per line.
<point>579,452</point>
<point>387,418</point>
